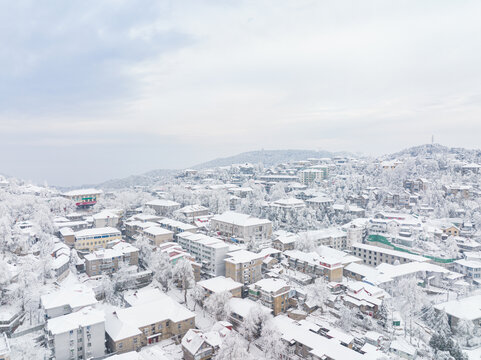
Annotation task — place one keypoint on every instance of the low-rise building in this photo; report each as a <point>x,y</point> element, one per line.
<point>163,206</point>
<point>221,284</point>
<point>193,211</point>
<point>244,266</point>
<point>63,302</point>
<point>84,198</point>
<point>158,235</point>
<point>177,226</point>
<point>375,255</point>
<point>156,315</point>
<point>79,335</point>
<point>273,293</point>
<point>106,218</point>
<point>471,269</point>
<point>4,347</point>
<point>313,264</point>
<point>91,239</point>
<point>108,260</point>
<point>199,345</point>
<point>241,227</point>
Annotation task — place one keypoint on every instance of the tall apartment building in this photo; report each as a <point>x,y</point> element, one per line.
<point>79,335</point>
<point>244,266</point>
<point>309,176</point>
<point>241,227</point>
<point>375,255</point>
<point>108,260</point>
<point>273,293</point>
<point>208,251</point>
<point>84,198</point>
<point>96,238</point>
<point>315,265</point>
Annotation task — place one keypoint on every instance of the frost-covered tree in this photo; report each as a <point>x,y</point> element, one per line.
<point>160,265</point>
<point>253,324</point>
<point>198,295</point>
<point>305,242</point>
<point>183,274</point>
<point>318,293</point>
<point>464,331</point>
<point>271,343</point>
<point>346,317</point>
<point>233,347</point>
<point>217,305</point>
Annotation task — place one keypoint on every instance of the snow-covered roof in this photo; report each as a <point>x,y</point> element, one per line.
<point>242,256</point>
<point>76,297</point>
<point>85,317</point>
<point>97,231</point>
<point>270,285</point>
<point>81,192</point>
<point>157,230</point>
<point>468,308</point>
<point>147,312</point>
<point>402,346</point>
<point>242,307</point>
<point>192,208</point>
<point>400,254</point>
<point>163,203</point>
<point>220,284</point>
<point>117,329</point>
<point>235,218</point>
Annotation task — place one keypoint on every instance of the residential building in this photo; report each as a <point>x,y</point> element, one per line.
<point>375,255</point>
<point>84,198</point>
<point>176,252</point>
<point>67,301</point>
<point>108,260</point>
<point>155,314</point>
<point>158,235</point>
<point>332,237</point>
<point>199,345</point>
<point>193,211</point>
<point>79,335</point>
<point>313,175</point>
<point>106,218</point>
<point>241,227</point>
<point>240,308</point>
<point>462,309</point>
<point>162,206</point>
<point>289,203</point>
<point>176,226</point>
<point>96,238</point>
<point>208,251</point>
<point>470,268</point>
<point>221,284</point>
<point>273,293</point>
<point>244,266</point>
<point>313,264</point>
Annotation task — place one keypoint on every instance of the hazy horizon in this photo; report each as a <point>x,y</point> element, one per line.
<point>91,91</point>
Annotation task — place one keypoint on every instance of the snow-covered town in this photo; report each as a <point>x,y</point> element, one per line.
<point>333,258</point>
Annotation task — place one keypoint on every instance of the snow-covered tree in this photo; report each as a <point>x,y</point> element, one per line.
<point>184,275</point>
<point>271,343</point>
<point>305,242</point>
<point>233,347</point>
<point>160,265</point>
<point>198,295</point>
<point>318,293</point>
<point>217,305</point>
<point>253,324</point>
<point>346,316</point>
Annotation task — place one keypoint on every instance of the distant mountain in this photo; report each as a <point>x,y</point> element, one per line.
<point>432,149</point>
<point>266,157</point>
<point>147,179</point>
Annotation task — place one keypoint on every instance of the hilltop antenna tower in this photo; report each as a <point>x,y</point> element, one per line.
<point>432,139</point>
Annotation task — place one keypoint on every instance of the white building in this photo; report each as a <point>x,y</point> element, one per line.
<point>67,301</point>
<point>163,206</point>
<point>79,335</point>
<point>470,268</point>
<point>106,218</point>
<point>241,227</point>
<point>208,251</point>
<point>309,176</point>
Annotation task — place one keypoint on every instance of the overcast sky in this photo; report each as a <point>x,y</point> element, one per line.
<point>93,90</point>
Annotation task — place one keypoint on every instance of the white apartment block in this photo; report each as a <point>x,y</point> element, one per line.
<point>332,237</point>
<point>375,255</point>
<point>163,206</point>
<point>309,176</point>
<point>208,251</point>
<point>241,227</point>
<point>470,268</point>
<point>79,335</point>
